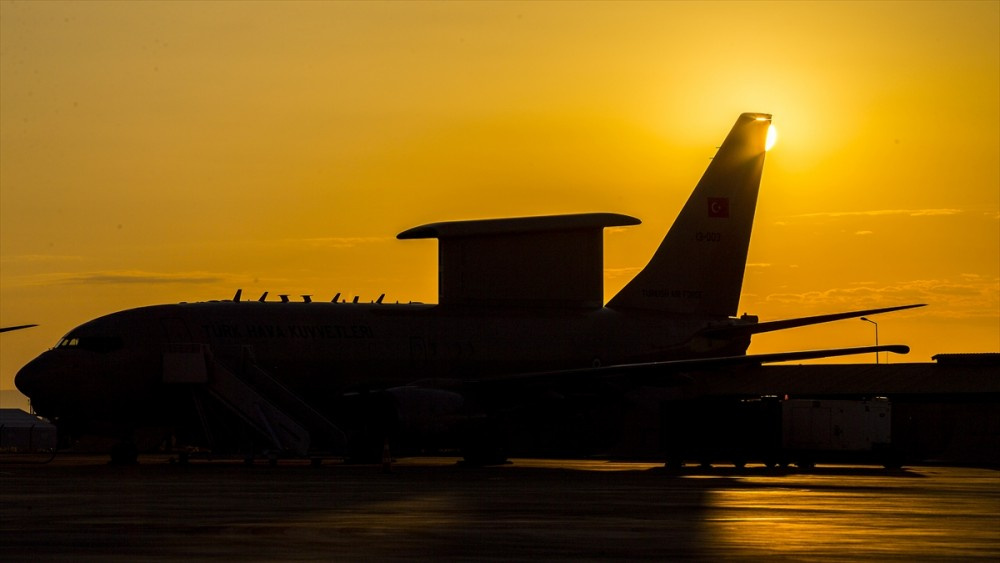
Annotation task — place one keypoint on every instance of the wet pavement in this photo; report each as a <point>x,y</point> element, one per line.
<point>431,508</point>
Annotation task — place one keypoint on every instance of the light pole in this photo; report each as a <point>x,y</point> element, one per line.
<point>867,320</point>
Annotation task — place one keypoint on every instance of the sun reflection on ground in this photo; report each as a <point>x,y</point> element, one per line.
<point>817,516</point>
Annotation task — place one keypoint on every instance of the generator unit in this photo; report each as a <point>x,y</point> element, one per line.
<point>777,431</point>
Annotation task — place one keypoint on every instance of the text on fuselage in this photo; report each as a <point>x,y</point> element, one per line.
<point>318,332</point>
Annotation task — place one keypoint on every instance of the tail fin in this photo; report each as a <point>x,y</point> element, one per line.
<point>698,267</point>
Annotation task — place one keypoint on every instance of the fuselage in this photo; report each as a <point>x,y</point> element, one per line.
<point>114,364</point>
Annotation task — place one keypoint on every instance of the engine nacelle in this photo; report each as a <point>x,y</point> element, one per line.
<point>429,417</point>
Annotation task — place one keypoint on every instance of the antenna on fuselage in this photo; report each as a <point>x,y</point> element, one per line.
<point>284,298</point>
<point>236,298</point>
<point>380,298</point>
<point>263,297</point>
<point>355,300</point>
<point>336,298</point>
<point>307,298</point>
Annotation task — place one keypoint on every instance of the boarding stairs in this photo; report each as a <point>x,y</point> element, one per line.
<point>287,423</point>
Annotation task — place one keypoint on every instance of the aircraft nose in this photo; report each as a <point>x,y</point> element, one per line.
<point>48,381</point>
<point>29,379</point>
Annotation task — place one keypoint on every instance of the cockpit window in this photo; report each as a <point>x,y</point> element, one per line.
<point>91,343</point>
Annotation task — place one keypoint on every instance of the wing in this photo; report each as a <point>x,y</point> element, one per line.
<point>19,327</point>
<point>748,328</point>
<point>667,372</point>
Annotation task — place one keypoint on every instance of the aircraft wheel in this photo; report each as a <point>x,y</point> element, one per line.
<point>366,450</point>
<point>124,453</point>
<point>484,452</point>
<point>484,445</point>
<point>892,463</point>
<point>376,422</point>
<point>674,463</point>
<point>479,459</point>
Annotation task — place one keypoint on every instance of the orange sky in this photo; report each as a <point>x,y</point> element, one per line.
<point>162,152</point>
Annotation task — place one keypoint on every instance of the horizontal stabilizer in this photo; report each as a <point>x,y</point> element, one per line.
<point>660,372</point>
<point>808,355</point>
<point>771,326</point>
<point>755,359</point>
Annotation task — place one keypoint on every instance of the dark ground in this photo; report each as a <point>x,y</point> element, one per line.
<point>82,509</point>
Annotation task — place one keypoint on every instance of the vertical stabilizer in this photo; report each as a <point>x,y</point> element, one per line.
<point>698,268</point>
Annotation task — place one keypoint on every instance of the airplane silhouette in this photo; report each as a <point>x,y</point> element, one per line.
<point>520,326</point>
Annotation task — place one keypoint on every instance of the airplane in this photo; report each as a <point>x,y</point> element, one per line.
<point>520,329</point>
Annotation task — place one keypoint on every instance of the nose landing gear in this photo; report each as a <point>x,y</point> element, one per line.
<point>124,453</point>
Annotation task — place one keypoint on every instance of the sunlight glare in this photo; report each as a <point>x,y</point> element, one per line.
<point>772,137</point>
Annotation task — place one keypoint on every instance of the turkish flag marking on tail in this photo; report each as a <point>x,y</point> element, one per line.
<point>718,207</point>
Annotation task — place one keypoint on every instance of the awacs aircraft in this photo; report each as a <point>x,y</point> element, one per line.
<point>520,327</point>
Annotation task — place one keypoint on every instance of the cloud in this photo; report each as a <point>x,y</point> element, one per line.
<point>968,297</point>
<point>882,212</point>
<point>38,258</point>
<point>332,242</point>
<point>609,230</point>
<point>863,233</point>
<point>614,273</point>
<point>136,277</point>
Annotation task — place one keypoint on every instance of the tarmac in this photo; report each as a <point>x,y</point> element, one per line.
<point>81,508</point>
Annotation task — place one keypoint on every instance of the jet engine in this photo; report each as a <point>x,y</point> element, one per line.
<point>428,419</point>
